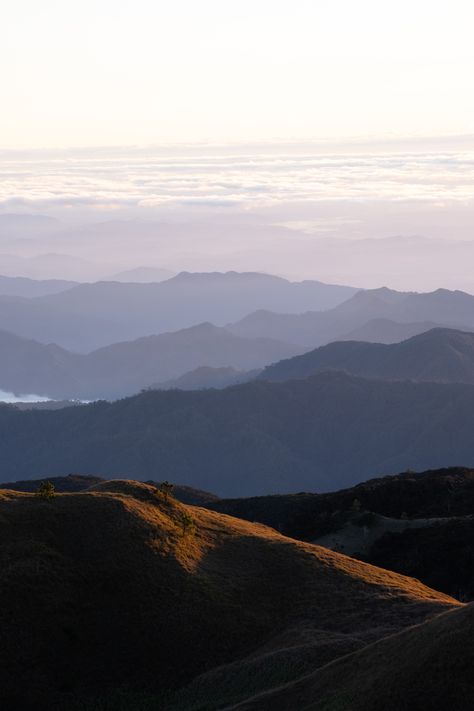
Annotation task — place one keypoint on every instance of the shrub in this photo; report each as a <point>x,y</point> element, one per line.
<point>188,525</point>
<point>46,490</point>
<point>166,488</point>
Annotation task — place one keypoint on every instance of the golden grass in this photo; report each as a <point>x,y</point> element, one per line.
<point>102,589</point>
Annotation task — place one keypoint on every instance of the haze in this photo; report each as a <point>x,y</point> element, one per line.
<point>319,140</point>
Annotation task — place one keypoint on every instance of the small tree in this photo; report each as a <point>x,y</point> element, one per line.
<point>46,490</point>
<point>187,524</point>
<point>166,488</point>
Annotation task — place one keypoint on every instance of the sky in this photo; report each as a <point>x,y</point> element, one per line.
<point>326,139</point>
<point>78,73</point>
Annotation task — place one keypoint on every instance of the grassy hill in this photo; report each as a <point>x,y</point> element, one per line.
<point>417,524</point>
<point>119,592</point>
<point>78,482</point>
<point>425,668</point>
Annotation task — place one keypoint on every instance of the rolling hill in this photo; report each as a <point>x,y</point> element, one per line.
<point>119,594</point>
<point>329,431</point>
<point>442,355</point>
<point>417,524</point>
<point>425,668</point>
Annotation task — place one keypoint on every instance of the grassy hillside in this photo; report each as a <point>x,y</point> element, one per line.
<point>78,482</point>
<point>118,587</point>
<point>426,668</point>
<point>417,524</point>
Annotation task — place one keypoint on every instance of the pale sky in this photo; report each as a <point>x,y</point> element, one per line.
<point>138,72</point>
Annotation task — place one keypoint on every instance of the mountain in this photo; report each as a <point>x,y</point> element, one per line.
<point>329,431</point>
<point>441,355</point>
<point>433,494</point>
<point>419,524</point>
<point>207,377</point>
<point>383,330</point>
<point>125,368</point>
<point>453,309</point>
<point>425,668</point>
<point>90,316</point>
<point>27,366</point>
<point>21,286</point>
<point>190,298</point>
<point>30,318</point>
<point>76,482</point>
<point>120,595</point>
<point>143,275</point>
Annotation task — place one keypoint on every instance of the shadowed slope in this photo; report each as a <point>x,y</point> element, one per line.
<point>425,668</point>
<point>118,586</point>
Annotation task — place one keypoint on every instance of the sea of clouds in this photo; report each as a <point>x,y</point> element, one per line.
<point>368,213</point>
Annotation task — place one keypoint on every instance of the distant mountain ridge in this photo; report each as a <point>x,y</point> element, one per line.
<point>22,286</point>
<point>121,369</point>
<point>90,316</point>
<point>442,355</point>
<point>452,309</point>
<point>207,377</point>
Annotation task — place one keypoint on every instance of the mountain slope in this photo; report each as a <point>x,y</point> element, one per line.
<point>207,377</point>
<point>439,355</point>
<point>425,668</point>
<point>384,330</point>
<point>453,309</point>
<point>190,298</point>
<point>21,286</point>
<point>323,433</point>
<point>119,586</point>
<point>417,524</point>
<point>125,368</point>
<point>90,316</point>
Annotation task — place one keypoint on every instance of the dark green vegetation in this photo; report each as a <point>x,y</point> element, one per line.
<point>417,524</point>
<point>437,355</point>
<point>328,431</point>
<point>118,592</point>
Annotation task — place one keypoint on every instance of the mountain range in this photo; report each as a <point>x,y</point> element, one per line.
<point>328,431</point>
<point>454,309</point>
<point>89,316</point>
<point>27,366</point>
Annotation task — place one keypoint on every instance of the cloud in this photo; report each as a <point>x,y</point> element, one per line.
<point>137,177</point>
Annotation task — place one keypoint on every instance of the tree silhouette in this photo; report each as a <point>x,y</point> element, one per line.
<point>166,488</point>
<point>46,490</point>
